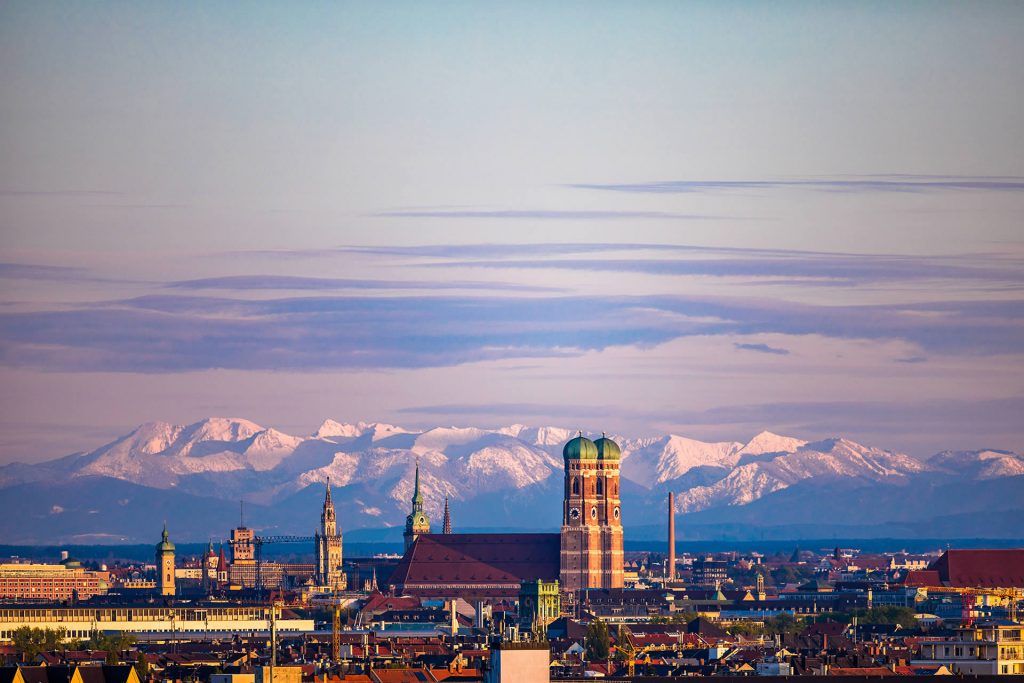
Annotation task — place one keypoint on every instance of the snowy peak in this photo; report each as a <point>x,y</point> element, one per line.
<point>649,462</point>
<point>767,442</point>
<point>982,464</point>
<point>224,429</point>
<point>330,429</point>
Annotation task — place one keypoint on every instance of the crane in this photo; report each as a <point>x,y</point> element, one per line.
<point>258,543</point>
<point>630,650</point>
<point>968,598</point>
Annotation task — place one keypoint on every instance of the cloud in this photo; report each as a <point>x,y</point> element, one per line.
<point>762,348</point>
<point>31,271</point>
<point>871,183</point>
<point>838,268</point>
<point>290,282</point>
<point>170,333</point>
<point>547,214</point>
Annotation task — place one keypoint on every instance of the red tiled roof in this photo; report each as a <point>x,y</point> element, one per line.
<point>491,563</point>
<point>922,578</point>
<point>1002,568</point>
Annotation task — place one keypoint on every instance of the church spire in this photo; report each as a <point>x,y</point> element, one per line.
<point>417,497</point>
<point>328,501</point>
<point>447,528</point>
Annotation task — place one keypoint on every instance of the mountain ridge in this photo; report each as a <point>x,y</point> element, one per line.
<point>511,474</point>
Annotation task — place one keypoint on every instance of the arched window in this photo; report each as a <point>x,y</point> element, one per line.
<point>600,486</point>
<point>575,486</point>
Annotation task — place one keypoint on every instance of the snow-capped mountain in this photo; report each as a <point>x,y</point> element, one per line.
<point>504,477</point>
<point>983,464</point>
<point>824,460</point>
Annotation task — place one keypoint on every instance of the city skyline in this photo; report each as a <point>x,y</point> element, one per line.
<point>704,219</point>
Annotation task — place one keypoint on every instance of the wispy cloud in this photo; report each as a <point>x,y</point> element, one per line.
<point>549,215</point>
<point>39,272</point>
<point>291,282</point>
<point>873,183</point>
<point>846,269</point>
<point>173,333</point>
<point>762,348</point>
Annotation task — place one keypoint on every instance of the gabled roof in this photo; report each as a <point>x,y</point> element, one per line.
<point>492,563</point>
<point>999,568</point>
<point>46,674</point>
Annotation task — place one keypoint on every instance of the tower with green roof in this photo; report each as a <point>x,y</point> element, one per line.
<point>591,536</point>
<point>165,564</point>
<point>417,522</point>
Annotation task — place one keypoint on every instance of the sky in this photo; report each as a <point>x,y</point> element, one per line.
<point>703,218</point>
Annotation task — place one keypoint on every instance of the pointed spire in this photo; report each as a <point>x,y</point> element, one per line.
<point>328,500</point>
<point>417,497</point>
<point>447,528</point>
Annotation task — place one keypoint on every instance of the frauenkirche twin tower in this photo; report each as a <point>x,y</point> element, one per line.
<point>591,548</point>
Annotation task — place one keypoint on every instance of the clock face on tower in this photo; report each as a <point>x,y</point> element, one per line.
<point>593,513</point>
<point>574,513</point>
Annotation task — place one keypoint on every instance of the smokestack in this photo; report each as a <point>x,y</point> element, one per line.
<point>671,571</point>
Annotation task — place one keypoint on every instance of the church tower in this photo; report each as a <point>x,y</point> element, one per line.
<point>328,547</point>
<point>591,543</point>
<point>417,522</point>
<point>165,564</point>
<point>446,528</point>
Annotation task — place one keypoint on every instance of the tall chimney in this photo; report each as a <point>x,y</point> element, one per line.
<point>671,571</point>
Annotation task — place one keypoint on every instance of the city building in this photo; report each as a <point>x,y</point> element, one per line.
<point>52,582</point>
<point>243,545</point>
<point>539,605</point>
<point>591,537</point>
<point>139,618</point>
<point>165,564</point>
<point>709,572</point>
<point>417,523</point>
<point>328,547</point>
<point>981,650</point>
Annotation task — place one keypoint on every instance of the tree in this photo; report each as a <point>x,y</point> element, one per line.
<point>113,645</point>
<point>598,641</point>
<point>782,623</point>
<point>142,666</point>
<point>30,642</point>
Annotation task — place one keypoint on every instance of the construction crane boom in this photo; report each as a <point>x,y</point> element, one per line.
<point>260,541</point>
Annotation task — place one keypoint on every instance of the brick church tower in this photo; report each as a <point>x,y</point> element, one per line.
<point>591,544</point>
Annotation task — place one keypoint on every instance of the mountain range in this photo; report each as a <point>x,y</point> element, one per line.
<point>770,487</point>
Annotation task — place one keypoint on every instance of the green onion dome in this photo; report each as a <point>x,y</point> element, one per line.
<point>607,449</point>
<point>580,448</point>
<point>165,544</point>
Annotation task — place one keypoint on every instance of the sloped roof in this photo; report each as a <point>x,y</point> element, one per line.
<point>488,564</point>
<point>999,568</point>
<point>922,578</point>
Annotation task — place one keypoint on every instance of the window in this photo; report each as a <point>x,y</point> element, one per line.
<point>575,486</point>
<point>600,487</point>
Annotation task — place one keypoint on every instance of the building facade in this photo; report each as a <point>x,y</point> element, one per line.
<point>591,537</point>
<point>983,650</point>
<point>148,618</point>
<point>416,523</point>
<point>328,547</point>
<point>165,564</point>
<point>51,582</point>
